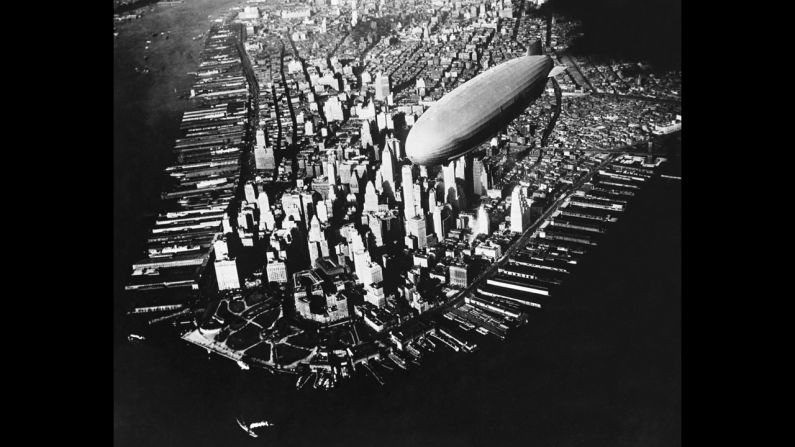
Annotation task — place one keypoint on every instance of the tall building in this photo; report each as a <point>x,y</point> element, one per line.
<point>366,135</point>
<point>277,271</point>
<point>226,274</point>
<point>377,228</point>
<point>407,183</point>
<point>460,168</point>
<point>225,268</point>
<point>307,206</point>
<point>370,198</point>
<point>458,275</point>
<point>322,211</point>
<point>477,181</point>
<point>333,109</point>
<point>353,182</point>
<point>372,273</point>
<point>394,145</point>
<point>450,188</point>
<point>315,232</point>
<point>291,205</point>
<point>519,211</point>
<point>484,223</point>
<point>416,226</point>
<point>331,172</point>
<point>420,199</point>
<point>267,221</point>
<point>381,87</point>
<point>220,249</point>
<point>263,203</point>
<point>375,294</point>
<point>387,167</point>
<point>438,222</point>
<point>250,192</point>
<point>263,155</point>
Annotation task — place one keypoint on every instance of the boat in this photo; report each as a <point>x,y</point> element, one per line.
<point>135,337</point>
<point>242,365</point>
<point>249,428</point>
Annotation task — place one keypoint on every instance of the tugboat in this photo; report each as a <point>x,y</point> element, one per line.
<point>250,427</point>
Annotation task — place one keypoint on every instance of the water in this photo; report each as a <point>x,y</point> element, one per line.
<point>601,366</point>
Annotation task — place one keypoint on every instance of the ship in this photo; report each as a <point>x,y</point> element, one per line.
<point>250,427</point>
<point>242,365</point>
<point>135,337</point>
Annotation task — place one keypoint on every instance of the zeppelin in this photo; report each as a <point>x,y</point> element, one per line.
<point>477,110</point>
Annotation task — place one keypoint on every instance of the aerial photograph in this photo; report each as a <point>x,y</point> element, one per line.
<point>397,223</point>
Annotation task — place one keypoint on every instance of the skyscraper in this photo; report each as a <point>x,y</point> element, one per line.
<point>416,227</point>
<point>226,274</point>
<point>375,295</point>
<point>387,168</point>
<point>477,182</point>
<point>366,135</point>
<point>460,168</point>
<point>370,198</point>
<point>377,228</point>
<point>381,87</point>
<point>450,189</point>
<point>519,211</point>
<point>438,222</point>
<point>225,268</point>
<point>250,192</point>
<point>315,233</point>
<point>263,155</point>
<point>394,145</point>
<point>484,224</point>
<point>277,271</point>
<point>263,203</point>
<point>353,182</point>
<point>407,183</point>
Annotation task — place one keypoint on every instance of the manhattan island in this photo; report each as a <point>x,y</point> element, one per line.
<point>315,227</point>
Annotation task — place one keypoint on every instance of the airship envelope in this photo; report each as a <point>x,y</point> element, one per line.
<point>476,110</point>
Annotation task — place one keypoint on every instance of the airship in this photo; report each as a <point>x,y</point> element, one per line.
<point>476,110</point>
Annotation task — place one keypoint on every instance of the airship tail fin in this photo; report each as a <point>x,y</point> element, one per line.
<point>556,70</point>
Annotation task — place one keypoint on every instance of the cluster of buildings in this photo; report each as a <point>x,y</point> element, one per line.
<point>328,210</point>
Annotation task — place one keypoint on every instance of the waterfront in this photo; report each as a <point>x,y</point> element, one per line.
<point>601,366</point>
<point>147,112</point>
